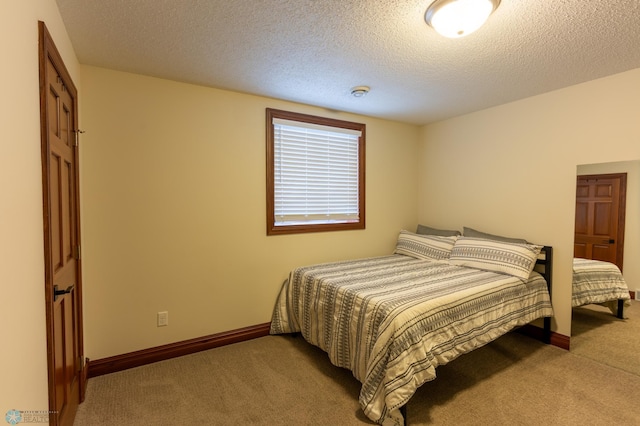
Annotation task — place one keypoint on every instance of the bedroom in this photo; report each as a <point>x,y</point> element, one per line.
<point>209,245</point>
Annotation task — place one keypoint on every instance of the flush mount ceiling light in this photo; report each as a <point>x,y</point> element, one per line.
<point>360,91</point>
<point>458,18</point>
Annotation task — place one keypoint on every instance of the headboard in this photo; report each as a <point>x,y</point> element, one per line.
<point>544,265</point>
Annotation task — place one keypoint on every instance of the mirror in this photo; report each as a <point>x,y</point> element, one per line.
<point>596,332</point>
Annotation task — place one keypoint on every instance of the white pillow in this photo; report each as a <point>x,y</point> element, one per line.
<point>514,259</point>
<point>429,247</point>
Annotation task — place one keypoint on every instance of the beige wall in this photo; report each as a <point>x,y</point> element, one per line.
<point>631,266</point>
<point>23,383</point>
<point>511,169</point>
<point>174,209</point>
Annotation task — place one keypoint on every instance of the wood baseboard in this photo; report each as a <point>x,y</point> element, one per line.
<point>559,340</point>
<point>94,368</point>
<point>159,353</point>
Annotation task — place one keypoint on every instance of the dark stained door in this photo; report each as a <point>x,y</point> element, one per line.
<point>600,217</point>
<point>61,233</point>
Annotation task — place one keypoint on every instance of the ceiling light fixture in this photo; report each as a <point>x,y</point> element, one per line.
<point>360,91</point>
<point>458,18</point>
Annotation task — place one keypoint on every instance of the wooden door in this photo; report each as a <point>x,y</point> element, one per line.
<point>600,217</point>
<point>58,108</point>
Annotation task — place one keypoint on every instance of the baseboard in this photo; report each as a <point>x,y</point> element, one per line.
<point>559,340</point>
<point>159,353</point>
<point>99,367</point>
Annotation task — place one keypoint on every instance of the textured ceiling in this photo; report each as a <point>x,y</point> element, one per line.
<point>314,51</point>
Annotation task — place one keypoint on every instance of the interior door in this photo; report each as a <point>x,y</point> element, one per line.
<point>600,217</point>
<point>58,105</point>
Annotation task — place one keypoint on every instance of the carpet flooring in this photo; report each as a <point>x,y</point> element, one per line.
<point>282,380</point>
<point>599,335</point>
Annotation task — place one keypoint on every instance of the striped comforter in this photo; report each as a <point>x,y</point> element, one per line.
<point>392,320</point>
<point>599,282</point>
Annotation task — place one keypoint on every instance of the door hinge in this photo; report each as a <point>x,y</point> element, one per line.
<point>77,132</point>
<point>77,252</point>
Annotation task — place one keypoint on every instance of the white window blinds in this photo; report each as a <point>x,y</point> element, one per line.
<point>315,173</point>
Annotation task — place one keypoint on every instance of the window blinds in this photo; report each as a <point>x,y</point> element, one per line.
<point>315,173</point>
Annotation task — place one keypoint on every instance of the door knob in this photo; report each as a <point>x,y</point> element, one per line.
<point>57,292</point>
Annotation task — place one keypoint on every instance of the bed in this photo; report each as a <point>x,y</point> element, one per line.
<point>598,282</point>
<point>393,319</point>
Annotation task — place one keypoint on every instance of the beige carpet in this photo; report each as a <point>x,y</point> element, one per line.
<point>597,334</point>
<point>282,380</point>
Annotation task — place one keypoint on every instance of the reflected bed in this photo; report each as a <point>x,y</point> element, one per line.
<point>598,282</point>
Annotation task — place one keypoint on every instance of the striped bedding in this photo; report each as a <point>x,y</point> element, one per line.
<point>393,319</point>
<point>598,282</point>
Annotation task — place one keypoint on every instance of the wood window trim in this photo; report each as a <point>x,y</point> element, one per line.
<point>272,229</point>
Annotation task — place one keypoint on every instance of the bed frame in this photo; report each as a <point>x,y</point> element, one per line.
<point>544,266</point>
<point>620,309</point>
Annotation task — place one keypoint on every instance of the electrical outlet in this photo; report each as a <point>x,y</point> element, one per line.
<point>163,318</point>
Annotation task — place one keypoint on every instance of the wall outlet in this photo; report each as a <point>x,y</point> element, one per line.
<point>163,318</point>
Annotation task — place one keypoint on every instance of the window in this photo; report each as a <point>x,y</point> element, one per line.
<point>315,173</point>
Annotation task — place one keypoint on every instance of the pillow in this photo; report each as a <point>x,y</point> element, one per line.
<point>513,259</point>
<point>468,232</point>
<point>429,247</point>
<point>427,230</point>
